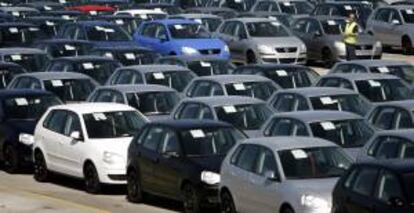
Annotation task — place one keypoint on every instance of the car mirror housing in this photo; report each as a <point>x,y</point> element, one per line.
<point>270,175</point>
<point>396,202</point>
<point>76,135</point>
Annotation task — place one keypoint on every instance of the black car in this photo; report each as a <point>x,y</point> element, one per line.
<point>18,34</point>
<point>180,160</point>
<point>127,22</point>
<point>64,47</point>
<point>132,55</point>
<point>48,25</point>
<point>201,66</point>
<point>71,15</point>
<point>7,71</point>
<point>19,112</point>
<point>378,186</point>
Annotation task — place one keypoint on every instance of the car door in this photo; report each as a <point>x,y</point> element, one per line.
<point>240,42</point>
<point>226,33</point>
<point>316,39</point>
<point>379,24</point>
<point>393,36</point>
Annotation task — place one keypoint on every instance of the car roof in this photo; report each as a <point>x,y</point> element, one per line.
<point>325,17</point>
<point>286,143</point>
<point>18,9</point>
<point>20,50</point>
<point>361,76</point>
<point>319,91</point>
<point>155,68</point>
<point>375,63</point>
<point>22,92</point>
<point>139,88</point>
<point>224,100</point>
<point>94,23</point>
<point>226,79</point>
<point>275,66</point>
<point>174,21</point>
<point>391,164</point>
<point>342,2</point>
<point>122,48</point>
<point>64,40</point>
<point>43,76</point>
<point>190,59</point>
<point>196,15</point>
<point>407,104</point>
<point>142,11</point>
<point>85,108</point>
<point>184,124</point>
<point>17,24</point>
<point>83,58</point>
<point>251,19</point>
<point>319,115</point>
<point>403,7</point>
<point>9,64</point>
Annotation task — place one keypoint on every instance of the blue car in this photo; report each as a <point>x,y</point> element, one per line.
<point>19,113</point>
<point>180,37</point>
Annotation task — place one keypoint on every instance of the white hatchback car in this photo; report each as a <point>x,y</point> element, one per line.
<point>87,141</point>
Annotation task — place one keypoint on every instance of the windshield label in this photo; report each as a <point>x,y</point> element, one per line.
<point>69,47</point>
<point>158,75</point>
<point>119,21</point>
<point>47,8</point>
<point>374,83</point>
<point>327,100</point>
<point>62,1</point>
<point>15,13</point>
<point>16,57</point>
<point>99,116</point>
<point>21,101</point>
<point>299,154</point>
<point>198,20</point>
<point>107,30</point>
<point>66,17</point>
<point>33,29</point>
<point>87,66</point>
<point>93,13</point>
<point>229,109</point>
<point>197,133</point>
<point>287,3</point>
<point>277,24</point>
<point>205,64</point>
<point>239,86</point>
<point>281,73</point>
<point>13,30</point>
<point>348,7</point>
<point>178,27</point>
<point>328,125</point>
<point>143,16</point>
<point>109,55</point>
<point>130,56</point>
<point>383,69</point>
<point>409,11</point>
<point>331,22</point>
<point>49,23</point>
<point>57,83</point>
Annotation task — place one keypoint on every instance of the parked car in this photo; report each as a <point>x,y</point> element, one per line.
<point>392,25</point>
<point>247,114</point>
<point>376,88</point>
<point>284,75</point>
<point>283,18</point>
<point>31,59</point>
<point>381,186</point>
<point>127,22</point>
<point>68,86</point>
<point>57,48</point>
<point>281,174</point>
<point>170,9</point>
<point>48,25</point>
<point>154,101</point>
<point>189,154</point>
<point>19,112</point>
<point>319,98</point>
<point>97,67</point>
<point>223,85</point>
<point>201,66</point>
<point>180,37</point>
<point>392,115</point>
<point>43,6</point>
<point>323,36</point>
<point>361,10</point>
<point>20,12</point>
<point>292,7</point>
<point>209,21</point>
<point>261,40</point>
<point>19,34</point>
<point>127,55</point>
<point>144,14</point>
<point>7,71</point>
<point>224,12</point>
<point>87,141</point>
<point>345,129</point>
<point>176,77</point>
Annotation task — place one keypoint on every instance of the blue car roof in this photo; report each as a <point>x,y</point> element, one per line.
<point>174,21</point>
<point>22,92</point>
<point>191,124</point>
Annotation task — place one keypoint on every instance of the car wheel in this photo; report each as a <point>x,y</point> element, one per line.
<point>288,210</point>
<point>327,58</point>
<point>11,159</point>
<point>251,58</point>
<point>191,199</point>
<point>227,203</point>
<point>40,173</point>
<point>134,189</point>
<point>407,46</point>
<point>92,184</point>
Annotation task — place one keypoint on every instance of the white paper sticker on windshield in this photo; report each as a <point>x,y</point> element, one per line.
<point>198,20</point>
<point>383,69</point>
<point>327,100</point>
<point>299,154</point>
<point>109,55</point>
<point>281,73</point>
<point>99,116</point>
<point>94,13</point>
<point>66,17</point>
<point>331,22</point>
<point>287,4</point>
<point>238,1</point>
<point>239,86</point>
<point>374,83</point>
<point>62,1</point>
<point>277,24</point>
<point>15,13</point>
<point>327,125</point>
<point>47,8</point>
<point>87,66</point>
<point>69,47</point>
<point>178,27</point>
<point>205,64</point>
<point>119,21</point>
<point>33,29</point>
<point>143,16</point>
<point>13,30</point>
<point>272,18</point>
<point>57,83</point>
<point>130,56</point>
<point>21,101</point>
<point>197,133</point>
<point>229,109</point>
<point>49,23</point>
<point>158,75</point>
<point>16,57</point>
<point>348,7</point>
<point>409,11</point>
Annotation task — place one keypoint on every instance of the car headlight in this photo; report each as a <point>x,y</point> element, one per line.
<point>112,158</point>
<point>302,48</point>
<point>265,49</point>
<point>210,177</point>
<point>339,45</point>
<point>314,202</point>
<point>226,48</point>
<point>25,138</point>
<point>188,51</point>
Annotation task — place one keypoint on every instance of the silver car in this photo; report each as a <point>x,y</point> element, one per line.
<point>323,37</point>
<point>261,40</point>
<point>393,26</point>
<point>281,174</point>
<point>392,115</point>
<point>292,7</point>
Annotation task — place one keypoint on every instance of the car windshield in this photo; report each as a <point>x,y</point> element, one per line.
<point>128,24</point>
<point>408,15</point>
<point>188,31</point>
<point>30,62</point>
<point>107,33</point>
<point>266,29</point>
<point>333,27</point>
<point>245,117</point>
<point>64,50</point>
<point>287,77</point>
<point>210,23</point>
<point>206,68</point>
<point>319,162</point>
<point>28,108</point>
<point>134,57</point>
<point>405,72</point>
<point>383,90</point>
<point>70,90</point>
<point>7,73</point>
<point>209,142</point>
<point>177,80</point>
<point>19,34</point>
<point>98,70</point>
<point>296,7</point>
<point>346,133</point>
<point>408,180</point>
<point>113,124</point>
<point>153,103</point>
<point>351,103</point>
<point>361,10</point>
<point>261,89</point>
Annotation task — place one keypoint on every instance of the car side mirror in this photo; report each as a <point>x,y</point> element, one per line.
<point>395,22</point>
<point>76,135</point>
<point>317,34</point>
<point>396,202</point>
<point>271,176</point>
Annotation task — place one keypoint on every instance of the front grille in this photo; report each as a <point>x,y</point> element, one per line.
<point>286,49</point>
<point>117,177</point>
<point>210,51</point>
<point>280,60</point>
<point>363,47</point>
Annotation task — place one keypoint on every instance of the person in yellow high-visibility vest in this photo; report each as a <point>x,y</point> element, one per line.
<point>351,37</point>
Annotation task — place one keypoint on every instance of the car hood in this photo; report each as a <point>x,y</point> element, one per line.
<point>206,43</point>
<point>363,39</point>
<point>321,187</point>
<point>114,145</point>
<point>22,126</point>
<point>278,41</point>
<point>210,163</point>
<point>157,117</point>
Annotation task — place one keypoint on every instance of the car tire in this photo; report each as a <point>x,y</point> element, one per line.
<point>327,58</point>
<point>191,199</point>
<point>288,209</point>
<point>40,171</point>
<point>251,58</point>
<point>227,203</point>
<point>92,183</point>
<point>407,46</point>
<point>11,159</point>
<point>134,188</point>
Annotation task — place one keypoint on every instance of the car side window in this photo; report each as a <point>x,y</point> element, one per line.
<point>161,32</point>
<point>170,142</point>
<point>56,121</point>
<point>241,31</point>
<point>395,15</point>
<point>153,138</point>
<point>384,118</point>
<point>262,6</point>
<point>150,30</point>
<point>329,82</point>
<point>383,15</point>
<point>189,111</point>
<point>57,66</point>
<point>129,77</point>
<point>229,28</point>
<point>216,89</point>
<point>109,96</point>
<point>300,26</point>
<point>247,158</point>
<point>266,162</point>
<point>349,68</point>
<point>403,120</point>
<point>364,182</point>
<point>391,147</point>
<point>27,83</point>
<point>80,34</point>
<point>201,89</point>
<point>313,27</point>
<point>285,103</point>
<point>281,127</point>
<point>389,187</point>
<point>72,124</point>
<point>205,113</point>
<point>70,32</point>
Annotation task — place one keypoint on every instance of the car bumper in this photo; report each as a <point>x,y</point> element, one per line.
<point>209,195</point>
<point>290,58</point>
<point>375,53</point>
<point>113,176</point>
